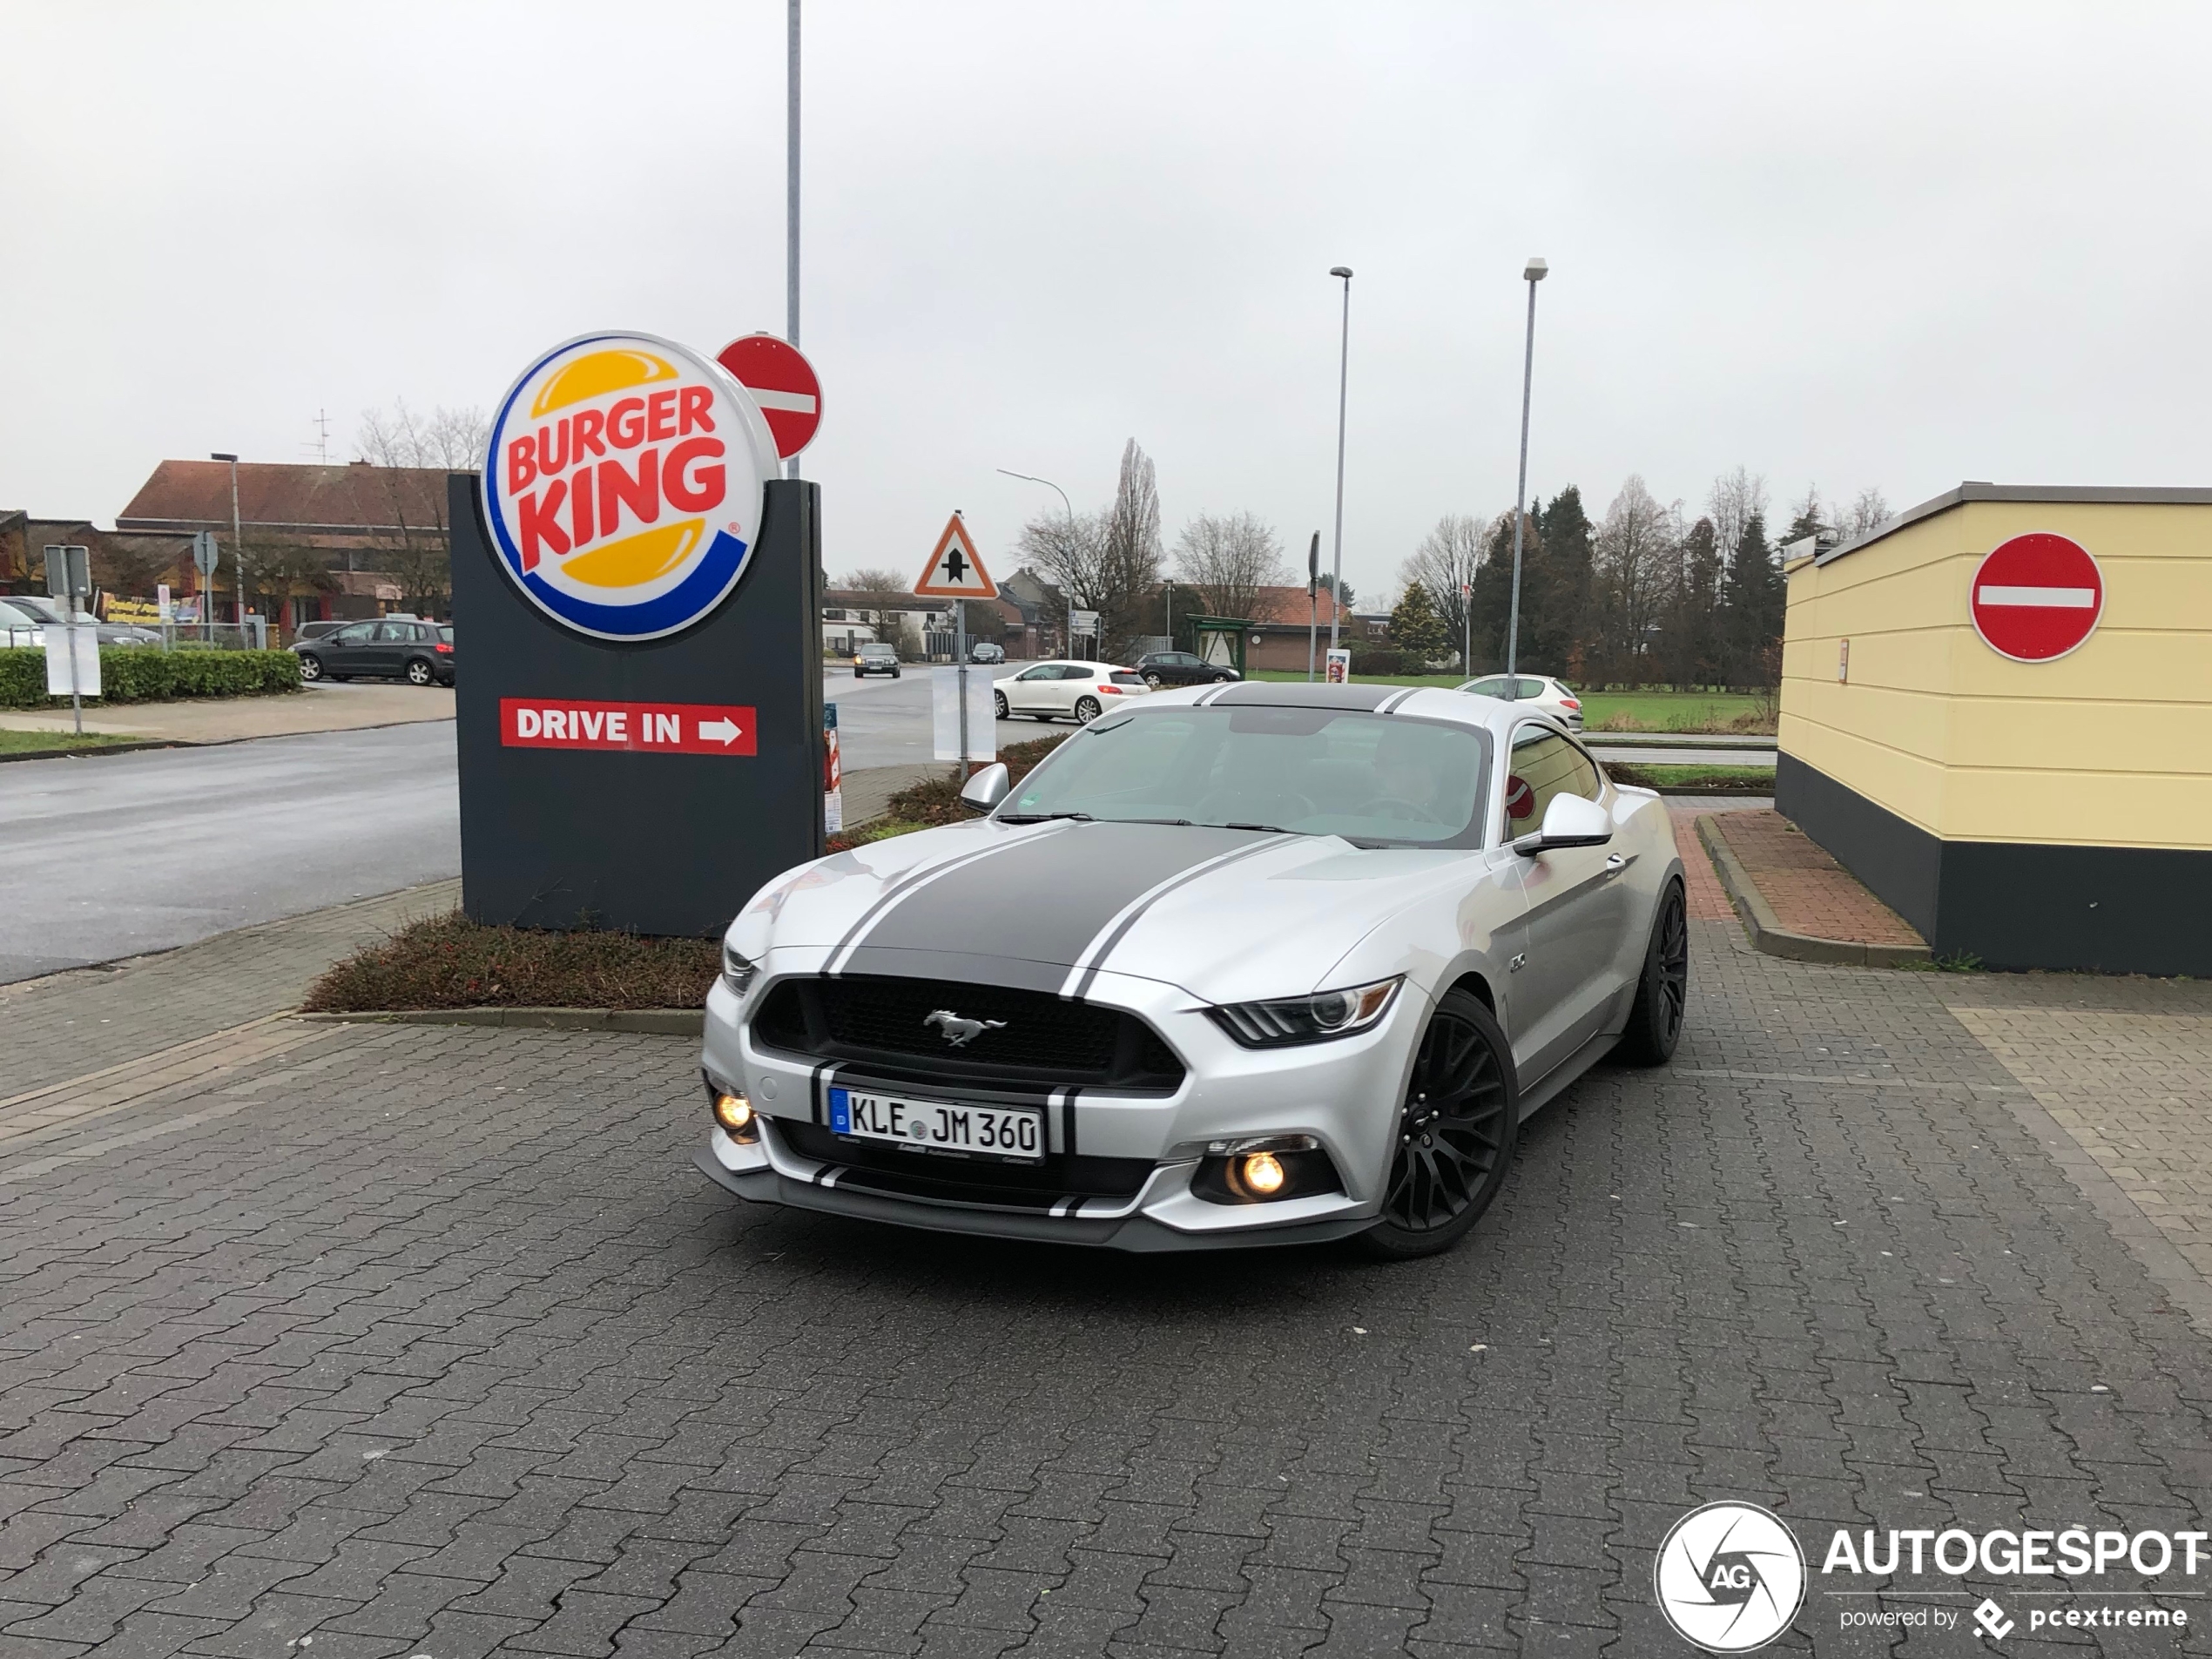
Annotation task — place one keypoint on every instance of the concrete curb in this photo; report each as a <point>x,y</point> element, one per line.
<point>658,1022</point>
<point>1766,930</point>
<point>135,746</point>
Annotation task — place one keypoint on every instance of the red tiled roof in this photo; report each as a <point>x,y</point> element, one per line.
<point>359,499</point>
<point>1288,605</point>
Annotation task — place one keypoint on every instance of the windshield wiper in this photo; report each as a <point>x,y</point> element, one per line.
<point>1270,829</point>
<point>1043,817</point>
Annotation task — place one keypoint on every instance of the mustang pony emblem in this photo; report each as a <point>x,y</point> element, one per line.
<point>960,1032</point>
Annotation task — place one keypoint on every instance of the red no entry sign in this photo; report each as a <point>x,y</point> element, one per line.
<point>782,382</point>
<point>641,728</point>
<point>2037,597</point>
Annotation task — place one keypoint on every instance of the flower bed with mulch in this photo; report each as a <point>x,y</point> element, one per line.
<point>449,962</point>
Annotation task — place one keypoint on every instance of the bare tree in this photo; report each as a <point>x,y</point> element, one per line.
<point>1636,549</point>
<point>889,621</point>
<point>1446,562</point>
<point>1108,561</point>
<point>1868,510</point>
<point>408,451</point>
<point>1229,560</point>
<point>1738,498</point>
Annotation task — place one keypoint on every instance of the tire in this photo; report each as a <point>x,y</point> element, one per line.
<point>1662,990</point>
<point>310,667</point>
<point>998,704</point>
<point>857,674</point>
<point>420,672</point>
<point>1457,1127</point>
<point>1152,682</point>
<point>1086,710</point>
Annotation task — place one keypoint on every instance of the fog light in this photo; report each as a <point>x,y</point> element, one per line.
<point>1259,1174</point>
<point>734,1113</point>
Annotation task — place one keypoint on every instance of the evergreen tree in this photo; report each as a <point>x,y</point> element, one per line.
<point>1556,618</point>
<point>1754,598</point>
<point>1415,629</point>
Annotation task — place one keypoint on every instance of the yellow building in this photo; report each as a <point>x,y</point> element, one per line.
<point>2049,812</point>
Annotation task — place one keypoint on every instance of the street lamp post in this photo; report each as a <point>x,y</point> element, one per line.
<point>1031,478</point>
<point>791,199</point>
<point>1533,274</point>
<point>1343,380</point>
<point>238,542</point>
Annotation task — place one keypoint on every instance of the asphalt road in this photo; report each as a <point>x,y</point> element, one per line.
<point>886,721</point>
<point>117,854</point>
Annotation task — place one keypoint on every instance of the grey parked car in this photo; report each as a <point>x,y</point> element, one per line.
<point>418,653</point>
<point>37,611</point>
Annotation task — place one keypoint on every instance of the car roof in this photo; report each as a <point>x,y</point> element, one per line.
<point>1426,702</point>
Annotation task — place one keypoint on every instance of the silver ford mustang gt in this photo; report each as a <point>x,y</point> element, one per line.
<point>1239,965</point>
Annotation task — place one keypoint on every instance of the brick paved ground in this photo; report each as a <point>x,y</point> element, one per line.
<point>1810,893</point>
<point>415,1340</point>
<point>1707,900</point>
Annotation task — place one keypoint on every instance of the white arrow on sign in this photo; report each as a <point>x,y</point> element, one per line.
<point>724,732</point>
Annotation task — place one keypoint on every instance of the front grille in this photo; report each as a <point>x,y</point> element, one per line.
<point>1031,1039</point>
<point>958,1180</point>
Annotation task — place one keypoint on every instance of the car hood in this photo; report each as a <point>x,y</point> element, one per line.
<point>1226,914</point>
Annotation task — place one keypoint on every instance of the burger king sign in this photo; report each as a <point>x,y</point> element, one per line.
<point>623,489</point>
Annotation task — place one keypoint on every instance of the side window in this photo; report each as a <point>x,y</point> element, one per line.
<point>1544,764</point>
<point>1074,672</point>
<point>1533,689</point>
<point>356,634</point>
<point>1487,688</point>
<point>1036,674</point>
<point>387,632</point>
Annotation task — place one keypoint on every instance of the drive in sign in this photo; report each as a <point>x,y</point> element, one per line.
<point>2037,597</point>
<point>642,728</point>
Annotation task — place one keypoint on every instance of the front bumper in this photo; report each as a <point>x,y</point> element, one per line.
<point>1345,1093</point>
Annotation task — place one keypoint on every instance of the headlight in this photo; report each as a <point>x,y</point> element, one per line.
<point>737,972</point>
<point>1307,1019</point>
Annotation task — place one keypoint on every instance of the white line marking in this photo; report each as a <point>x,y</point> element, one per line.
<point>792,403</point>
<point>2055,598</point>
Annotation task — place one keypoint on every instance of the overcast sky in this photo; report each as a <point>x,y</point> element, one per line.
<point>1850,245</point>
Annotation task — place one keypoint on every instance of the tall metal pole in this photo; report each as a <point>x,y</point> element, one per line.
<point>238,552</point>
<point>1069,508</point>
<point>1343,381</point>
<point>790,202</point>
<point>1534,275</point>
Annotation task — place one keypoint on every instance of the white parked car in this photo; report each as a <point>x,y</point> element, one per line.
<point>1550,695</point>
<point>1242,964</point>
<point>1066,689</point>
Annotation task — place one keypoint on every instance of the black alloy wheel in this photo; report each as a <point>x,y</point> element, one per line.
<point>1662,992</point>
<point>1086,710</point>
<point>1456,1132</point>
<point>310,666</point>
<point>998,703</point>
<point>419,672</point>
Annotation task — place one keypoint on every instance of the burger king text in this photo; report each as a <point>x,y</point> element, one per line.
<point>570,456</point>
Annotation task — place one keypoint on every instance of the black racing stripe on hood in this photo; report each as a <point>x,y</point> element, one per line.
<point>1043,898</point>
<point>965,967</point>
<point>1355,699</point>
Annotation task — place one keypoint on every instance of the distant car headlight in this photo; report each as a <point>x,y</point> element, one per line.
<point>737,972</point>
<point>1307,1019</point>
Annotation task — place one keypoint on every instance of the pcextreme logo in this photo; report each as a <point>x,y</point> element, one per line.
<point>623,489</point>
<point>1729,1577</point>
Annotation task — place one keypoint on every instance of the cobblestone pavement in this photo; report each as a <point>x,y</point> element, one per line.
<point>1810,893</point>
<point>421,1340</point>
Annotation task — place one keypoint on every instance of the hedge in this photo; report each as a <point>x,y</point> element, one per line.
<point>143,674</point>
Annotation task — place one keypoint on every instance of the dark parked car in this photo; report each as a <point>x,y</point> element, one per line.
<point>983,651</point>
<point>41,611</point>
<point>418,653</point>
<point>875,658</point>
<point>1181,667</point>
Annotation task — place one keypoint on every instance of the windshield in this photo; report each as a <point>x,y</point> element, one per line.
<point>1379,781</point>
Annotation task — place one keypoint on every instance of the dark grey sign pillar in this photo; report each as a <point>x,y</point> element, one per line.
<point>669,844</point>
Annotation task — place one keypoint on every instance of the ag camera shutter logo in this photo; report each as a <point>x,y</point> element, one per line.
<point>626,483</point>
<point>1729,1577</point>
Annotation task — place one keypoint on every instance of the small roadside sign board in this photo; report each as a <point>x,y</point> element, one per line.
<point>1338,669</point>
<point>203,552</point>
<point>2037,597</point>
<point>782,382</point>
<point>638,728</point>
<point>956,570</point>
<point>1083,624</point>
<point>72,662</point>
<point>69,572</point>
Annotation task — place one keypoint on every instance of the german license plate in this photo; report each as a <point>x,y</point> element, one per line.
<point>1015,1133</point>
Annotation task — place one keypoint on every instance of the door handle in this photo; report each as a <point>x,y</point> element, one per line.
<point>1615,863</point>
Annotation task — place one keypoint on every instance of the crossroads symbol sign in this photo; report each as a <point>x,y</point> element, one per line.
<point>956,570</point>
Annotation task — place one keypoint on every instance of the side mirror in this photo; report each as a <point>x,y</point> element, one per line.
<point>987,788</point>
<point>1569,821</point>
